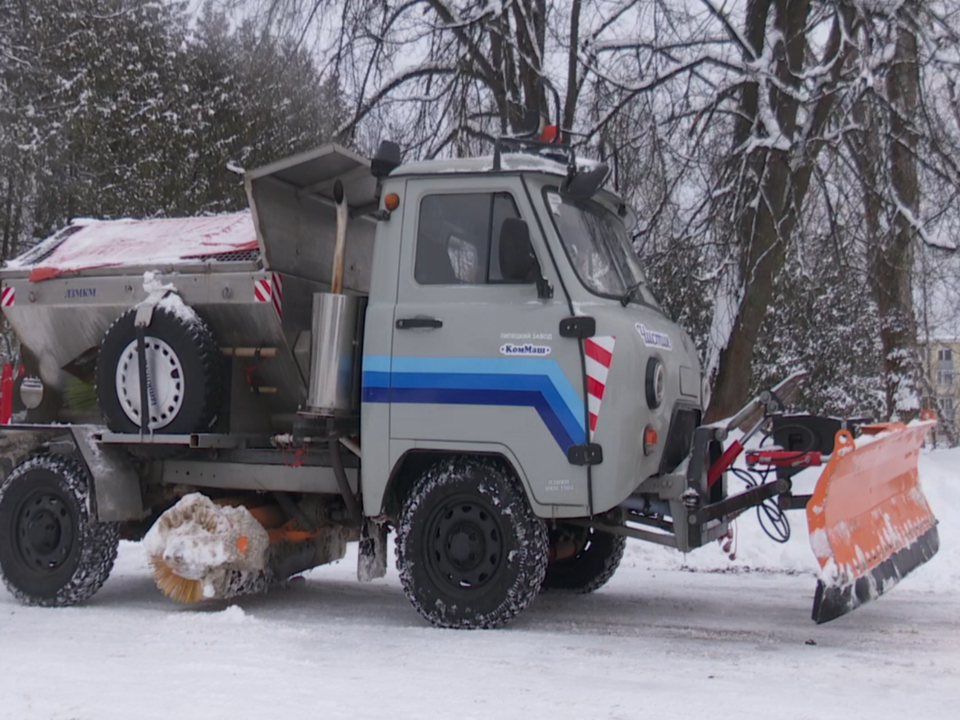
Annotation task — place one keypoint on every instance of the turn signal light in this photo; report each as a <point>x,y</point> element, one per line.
<point>649,440</point>
<point>391,201</point>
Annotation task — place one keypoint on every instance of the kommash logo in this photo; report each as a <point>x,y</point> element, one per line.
<point>525,350</point>
<point>654,339</point>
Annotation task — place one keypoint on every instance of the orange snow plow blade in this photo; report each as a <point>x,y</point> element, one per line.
<point>869,521</point>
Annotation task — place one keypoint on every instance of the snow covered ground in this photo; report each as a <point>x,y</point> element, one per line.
<point>709,638</point>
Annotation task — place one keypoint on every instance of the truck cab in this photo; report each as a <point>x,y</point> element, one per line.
<point>509,317</point>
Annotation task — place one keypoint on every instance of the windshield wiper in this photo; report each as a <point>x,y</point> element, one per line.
<point>625,300</point>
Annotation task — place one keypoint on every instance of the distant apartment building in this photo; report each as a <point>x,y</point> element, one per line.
<point>942,359</point>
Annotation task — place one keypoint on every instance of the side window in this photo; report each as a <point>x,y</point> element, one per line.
<point>457,238</point>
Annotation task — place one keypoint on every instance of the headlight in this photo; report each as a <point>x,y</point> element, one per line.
<point>655,383</point>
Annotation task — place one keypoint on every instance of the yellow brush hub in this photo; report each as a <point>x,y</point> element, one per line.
<point>174,586</point>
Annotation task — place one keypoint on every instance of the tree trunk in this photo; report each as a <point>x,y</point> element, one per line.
<point>573,83</point>
<point>767,220</point>
<point>8,212</point>
<point>893,260</point>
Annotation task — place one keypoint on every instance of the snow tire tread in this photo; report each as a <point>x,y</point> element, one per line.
<point>589,574</point>
<point>530,542</point>
<point>99,541</point>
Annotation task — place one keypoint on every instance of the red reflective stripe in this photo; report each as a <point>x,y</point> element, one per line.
<point>598,353</point>
<point>277,294</point>
<point>594,387</point>
<point>593,422</point>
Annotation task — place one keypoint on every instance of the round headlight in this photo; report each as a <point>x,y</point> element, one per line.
<point>655,383</point>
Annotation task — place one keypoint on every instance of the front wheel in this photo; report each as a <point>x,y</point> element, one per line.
<point>596,559</point>
<point>51,553</point>
<point>470,551</point>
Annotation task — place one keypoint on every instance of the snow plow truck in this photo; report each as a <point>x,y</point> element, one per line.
<point>464,352</point>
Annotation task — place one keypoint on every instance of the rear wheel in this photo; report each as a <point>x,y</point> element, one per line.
<point>51,553</point>
<point>470,551</point>
<point>597,557</point>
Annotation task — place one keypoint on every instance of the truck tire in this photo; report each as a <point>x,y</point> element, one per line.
<point>470,551</point>
<point>51,554</point>
<point>184,379</point>
<point>596,561</point>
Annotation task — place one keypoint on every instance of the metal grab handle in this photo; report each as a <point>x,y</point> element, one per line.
<point>419,322</point>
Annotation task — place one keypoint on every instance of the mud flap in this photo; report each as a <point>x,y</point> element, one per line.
<point>870,524</point>
<point>372,557</point>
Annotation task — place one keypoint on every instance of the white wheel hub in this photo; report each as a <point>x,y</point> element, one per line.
<point>164,383</point>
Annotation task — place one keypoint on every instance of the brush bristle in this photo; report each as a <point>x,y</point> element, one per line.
<point>173,586</point>
<point>80,396</point>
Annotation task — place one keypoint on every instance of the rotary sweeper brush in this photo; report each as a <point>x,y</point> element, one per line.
<point>465,352</point>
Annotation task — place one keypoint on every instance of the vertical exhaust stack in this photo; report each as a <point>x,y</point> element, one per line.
<point>336,325</point>
<point>339,248</point>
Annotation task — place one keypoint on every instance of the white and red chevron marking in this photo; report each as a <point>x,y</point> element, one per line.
<point>262,290</point>
<point>277,295</point>
<point>599,355</point>
<point>8,297</point>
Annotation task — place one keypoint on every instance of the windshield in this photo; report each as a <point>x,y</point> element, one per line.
<point>599,248</point>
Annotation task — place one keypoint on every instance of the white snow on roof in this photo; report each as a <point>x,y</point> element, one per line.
<point>86,244</point>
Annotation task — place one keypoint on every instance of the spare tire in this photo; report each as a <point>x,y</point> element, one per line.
<point>183,373</point>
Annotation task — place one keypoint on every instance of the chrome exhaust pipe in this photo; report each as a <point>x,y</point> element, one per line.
<point>339,249</point>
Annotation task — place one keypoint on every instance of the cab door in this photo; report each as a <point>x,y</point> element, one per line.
<point>477,362</point>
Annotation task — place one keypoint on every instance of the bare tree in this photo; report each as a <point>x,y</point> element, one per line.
<point>803,90</point>
<point>751,128</point>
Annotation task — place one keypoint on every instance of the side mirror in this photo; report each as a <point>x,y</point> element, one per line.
<point>517,260</point>
<point>586,183</point>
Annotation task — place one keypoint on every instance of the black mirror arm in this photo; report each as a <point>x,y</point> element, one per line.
<point>544,288</point>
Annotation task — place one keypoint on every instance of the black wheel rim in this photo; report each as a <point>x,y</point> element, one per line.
<point>45,531</point>
<point>464,544</point>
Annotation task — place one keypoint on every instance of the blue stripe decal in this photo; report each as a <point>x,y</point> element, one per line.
<point>505,366</point>
<point>376,363</point>
<point>376,379</point>
<point>521,382</point>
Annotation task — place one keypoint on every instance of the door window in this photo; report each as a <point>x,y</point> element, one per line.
<point>458,238</point>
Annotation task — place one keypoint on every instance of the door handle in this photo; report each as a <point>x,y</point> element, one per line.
<point>419,322</point>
